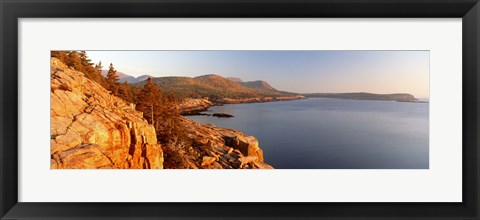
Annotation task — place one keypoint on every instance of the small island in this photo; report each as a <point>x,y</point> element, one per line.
<point>222,115</point>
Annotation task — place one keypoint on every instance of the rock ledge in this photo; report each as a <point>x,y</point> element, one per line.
<point>90,128</point>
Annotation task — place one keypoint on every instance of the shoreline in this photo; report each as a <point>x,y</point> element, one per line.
<point>223,148</point>
<point>191,107</point>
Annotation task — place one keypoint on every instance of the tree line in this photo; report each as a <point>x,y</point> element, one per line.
<point>159,109</point>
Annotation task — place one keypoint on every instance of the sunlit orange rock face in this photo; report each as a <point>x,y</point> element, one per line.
<point>224,148</point>
<point>90,128</point>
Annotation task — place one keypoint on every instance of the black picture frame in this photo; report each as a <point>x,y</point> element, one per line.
<point>12,10</point>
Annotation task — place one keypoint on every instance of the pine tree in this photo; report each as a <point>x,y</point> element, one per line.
<point>168,120</point>
<point>112,79</point>
<point>99,67</point>
<point>149,102</point>
<point>73,60</point>
<point>85,62</point>
<point>160,110</point>
<point>124,92</point>
<point>61,55</point>
<point>79,61</point>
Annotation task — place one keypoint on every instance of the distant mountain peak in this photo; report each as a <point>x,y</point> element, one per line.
<point>127,78</point>
<point>143,77</point>
<point>120,74</point>
<point>258,84</point>
<point>210,76</point>
<point>216,87</point>
<point>235,79</point>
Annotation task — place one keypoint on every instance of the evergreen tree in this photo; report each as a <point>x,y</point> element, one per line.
<point>84,59</point>
<point>124,92</point>
<point>149,102</point>
<point>99,67</point>
<point>79,61</point>
<point>97,75</point>
<point>61,55</point>
<point>162,112</point>
<point>169,121</point>
<point>112,79</point>
<point>135,93</point>
<point>73,60</point>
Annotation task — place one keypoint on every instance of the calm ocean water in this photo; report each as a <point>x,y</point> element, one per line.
<point>323,133</point>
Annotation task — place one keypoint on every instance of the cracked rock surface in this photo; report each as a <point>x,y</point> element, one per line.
<point>223,148</point>
<point>90,128</point>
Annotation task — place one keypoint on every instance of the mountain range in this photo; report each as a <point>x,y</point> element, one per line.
<point>217,87</point>
<point>214,87</point>
<point>123,77</point>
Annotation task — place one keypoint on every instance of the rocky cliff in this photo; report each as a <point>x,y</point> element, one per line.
<point>90,128</point>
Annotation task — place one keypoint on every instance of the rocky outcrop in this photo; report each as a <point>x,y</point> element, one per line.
<point>194,106</point>
<point>198,106</point>
<point>90,128</point>
<point>222,148</point>
<point>247,145</point>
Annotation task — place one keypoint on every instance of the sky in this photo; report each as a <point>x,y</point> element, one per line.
<point>294,71</point>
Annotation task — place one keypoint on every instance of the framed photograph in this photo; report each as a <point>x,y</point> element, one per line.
<point>239,109</point>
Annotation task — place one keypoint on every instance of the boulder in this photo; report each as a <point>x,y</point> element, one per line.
<point>206,161</point>
<point>247,160</point>
<point>247,145</point>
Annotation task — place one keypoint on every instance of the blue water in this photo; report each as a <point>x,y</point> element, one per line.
<point>323,133</point>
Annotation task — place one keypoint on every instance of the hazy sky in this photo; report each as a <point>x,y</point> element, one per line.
<point>294,71</point>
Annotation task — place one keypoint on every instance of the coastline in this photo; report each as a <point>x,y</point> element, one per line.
<point>321,114</point>
<point>93,129</point>
<point>220,148</point>
<point>192,106</point>
<point>233,148</point>
<point>198,106</point>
